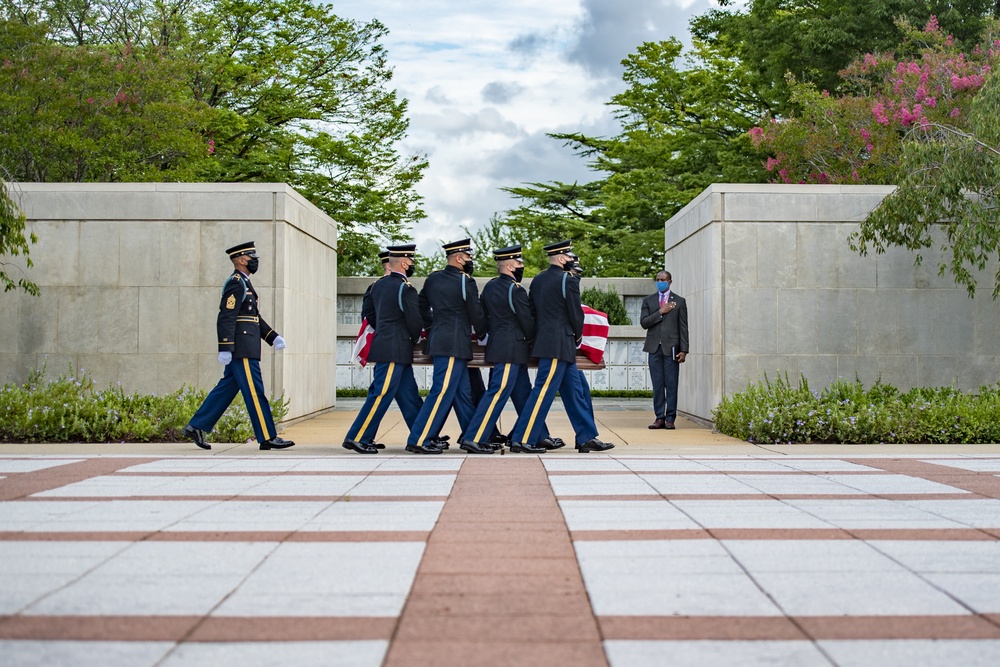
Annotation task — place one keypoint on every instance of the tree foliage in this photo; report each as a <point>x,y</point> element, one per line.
<point>13,242</point>
<point>212,90</point>
<point>926,122</point>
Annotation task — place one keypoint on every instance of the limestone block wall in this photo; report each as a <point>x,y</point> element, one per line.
<point>130,276</point>
<point>773,286</point>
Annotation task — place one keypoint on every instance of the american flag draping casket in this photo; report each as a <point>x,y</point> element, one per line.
<point>595,340</point>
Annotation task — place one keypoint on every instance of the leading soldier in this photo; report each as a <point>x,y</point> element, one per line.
<point>397,328</point>
<point>240,327</point>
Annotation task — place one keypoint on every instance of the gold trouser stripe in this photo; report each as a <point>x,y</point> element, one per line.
<point>437,403</point>
<point>493,403</point>
<point>256,401</point>
<point>541,398</point>
<point>385,389</point>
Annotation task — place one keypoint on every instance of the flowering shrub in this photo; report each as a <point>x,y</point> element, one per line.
<point>857,136</point>
<point>774,411</point>
<point>69,409</point>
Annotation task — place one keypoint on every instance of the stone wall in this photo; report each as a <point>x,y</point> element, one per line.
<point>130,276</point>
<point>773,287</point>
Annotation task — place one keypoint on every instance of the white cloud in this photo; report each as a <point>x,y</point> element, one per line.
<point>486,81</point>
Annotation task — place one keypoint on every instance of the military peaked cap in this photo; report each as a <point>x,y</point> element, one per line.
<point>465,245</point>
<point>510,252</point>
<point>406,250</point>
<point>242,249</point>
<point>384,256</point>
<point>559,248</point>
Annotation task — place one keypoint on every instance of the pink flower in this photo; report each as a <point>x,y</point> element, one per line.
<point>211,146</point>
<point>932,25</point>
<point>90,100</point>
<point>771,163</point>
<point>955,113</point>
<point>872,61</point>
<point>854,176</point>
<point>879,111</point>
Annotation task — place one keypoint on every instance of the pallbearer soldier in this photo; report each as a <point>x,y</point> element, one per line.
<point>449,305</point>
<point>555,294</point>
<point>511,330</point>
<point>397,328</point>
<point>240,328</point>
<point>367,307</point>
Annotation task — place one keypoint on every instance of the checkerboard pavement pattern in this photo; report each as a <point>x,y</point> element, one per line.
<point>561,560</point>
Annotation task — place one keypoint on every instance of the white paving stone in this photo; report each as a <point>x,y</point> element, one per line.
<point>878,484</point>
<point>267,654</point>
<point>952,556</point>
<point>874,513</point>
<point>624,515</point>
<point>914,652</point>
<point>97,516</point>
<point>405,485</point>
<point>329,579</point>
<point>976,465</point>
<point>584,465</point>
<point>622,653</point>
<point>819,556</point>
<point>600,485</point>
<point>377,516</point>
<point>25,653</point>
<point>855,593</point>
<point>977,513</point>
<point>763,513</point>
<point>980,592</point>
<point>681,485</point>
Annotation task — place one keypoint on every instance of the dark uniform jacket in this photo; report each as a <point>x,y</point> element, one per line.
<point>558,316</point>
<point>511,322</point>
<point>397,312</point>
<point>670,330</point>
<point>449,305</point>
<point>240,326</point>
<point>368,306</point>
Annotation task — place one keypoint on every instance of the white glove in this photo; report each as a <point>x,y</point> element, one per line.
<point>225,358</point>
<point>482,341</point>
<point>279,343</point>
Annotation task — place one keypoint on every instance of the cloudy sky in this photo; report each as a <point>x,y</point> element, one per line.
<point>487,80</point>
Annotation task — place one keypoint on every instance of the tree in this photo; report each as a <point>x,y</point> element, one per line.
<point>926,122</point>
<point>12,239</point>
<point>684,124</point>
<point>263,91</point>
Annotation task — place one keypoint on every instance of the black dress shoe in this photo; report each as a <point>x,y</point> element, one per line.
<point>527,448</point>
<point>657,424</point>
<point>377,445</point>
<point>594,445</point>
<point>475,447</point>
<point>498,442</point>
<point>197,436</point>
<point>551,443</point>
<point>276,443</point>
<point>360,447</point>
<point>423,449</point>
<point>441,442</point>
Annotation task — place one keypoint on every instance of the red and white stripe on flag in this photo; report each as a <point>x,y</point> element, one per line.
<point>595,334</point>
<point>362,344</point>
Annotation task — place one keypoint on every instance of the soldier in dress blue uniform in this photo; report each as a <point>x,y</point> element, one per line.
<point>449,305</point>
<point>397,327</point>
<point>555,295</point>
<point>241,328</point>
<point>511,330</point>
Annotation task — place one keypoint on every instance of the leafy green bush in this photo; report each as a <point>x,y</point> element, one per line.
<point>607,301</point>
<point>775,411</point>
<point>69,409</point>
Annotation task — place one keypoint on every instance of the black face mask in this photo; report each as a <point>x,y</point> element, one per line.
<point>468,267</point>
<point>570,265</point>
<point>253,264</point>
<point>410,269</point>
<point>518,274</point>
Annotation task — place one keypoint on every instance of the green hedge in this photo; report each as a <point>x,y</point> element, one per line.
<point>775,411</point>
<point>70,409</point>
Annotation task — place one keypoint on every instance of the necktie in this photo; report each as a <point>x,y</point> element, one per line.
<point>663,298</point>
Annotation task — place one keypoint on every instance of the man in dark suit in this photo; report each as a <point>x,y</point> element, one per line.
<point>555,297</point>
<point>450,308</point>
<point>397,328</point>
<point>241,328</point>
<point>664,316</point>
